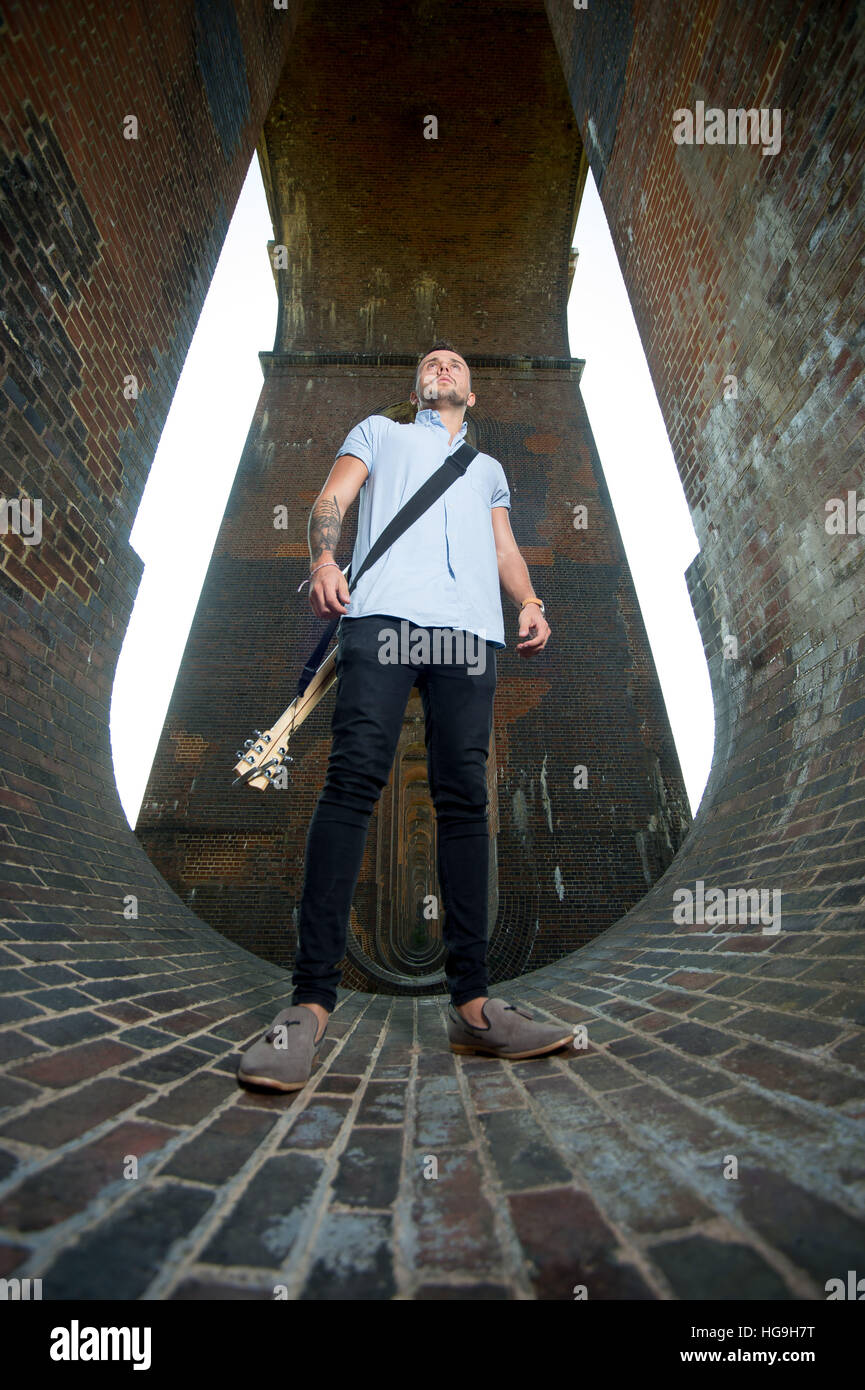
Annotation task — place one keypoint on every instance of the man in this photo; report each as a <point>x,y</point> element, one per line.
<point>441,576</point>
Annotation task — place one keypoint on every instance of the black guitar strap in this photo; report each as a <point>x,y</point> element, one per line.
<point>453,467</point>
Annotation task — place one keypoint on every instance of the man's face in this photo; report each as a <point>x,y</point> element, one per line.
<point>442,379</point>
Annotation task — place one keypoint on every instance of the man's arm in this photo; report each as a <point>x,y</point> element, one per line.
<point>514,579</point>
<point>513,571</point>
<point>328,591</point>
<point>344,482</point>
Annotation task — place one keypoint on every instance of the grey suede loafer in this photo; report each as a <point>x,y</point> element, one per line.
<point>512,1032</point>
<point>282,1059</point>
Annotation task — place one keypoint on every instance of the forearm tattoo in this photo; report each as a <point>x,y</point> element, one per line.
<point>324,527</point>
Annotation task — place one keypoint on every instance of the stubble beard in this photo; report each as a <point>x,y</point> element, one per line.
<point>444,396</point>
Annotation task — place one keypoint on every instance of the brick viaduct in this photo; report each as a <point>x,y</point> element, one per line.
<point>705,1039</point>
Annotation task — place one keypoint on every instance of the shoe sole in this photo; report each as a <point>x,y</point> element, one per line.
<point>271,1084</point>
<point>510,1056</point>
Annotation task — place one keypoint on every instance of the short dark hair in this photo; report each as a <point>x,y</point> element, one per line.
<point>441,346</point>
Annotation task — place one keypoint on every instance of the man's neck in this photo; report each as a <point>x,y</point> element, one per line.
<point>452,419</point>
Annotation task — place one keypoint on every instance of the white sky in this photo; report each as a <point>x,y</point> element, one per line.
<point>196,461</point>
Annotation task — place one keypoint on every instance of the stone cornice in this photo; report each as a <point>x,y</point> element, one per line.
<point>303,361</point>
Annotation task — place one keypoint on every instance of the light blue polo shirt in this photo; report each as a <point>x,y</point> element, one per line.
<point>443,571</point>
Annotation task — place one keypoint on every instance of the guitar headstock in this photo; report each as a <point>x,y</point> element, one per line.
<point>260,765</point>
<point>263,760</point>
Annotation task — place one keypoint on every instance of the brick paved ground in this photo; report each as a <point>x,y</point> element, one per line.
<point>603,1167</point>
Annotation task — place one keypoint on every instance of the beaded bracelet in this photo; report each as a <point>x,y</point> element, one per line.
<point>316,570</point>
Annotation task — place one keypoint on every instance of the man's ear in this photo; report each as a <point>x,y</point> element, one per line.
<point>471,398</point>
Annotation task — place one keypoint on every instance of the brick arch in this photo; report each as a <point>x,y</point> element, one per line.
<point>126,1008</point>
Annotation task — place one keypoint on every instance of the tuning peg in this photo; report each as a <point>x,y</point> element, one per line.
<point>249,743</point>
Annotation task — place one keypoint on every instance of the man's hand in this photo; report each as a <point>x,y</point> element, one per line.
<point>328,592</point>
<point>534,631</point>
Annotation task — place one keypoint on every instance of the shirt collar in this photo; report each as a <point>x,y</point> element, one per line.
<point>433,417</point>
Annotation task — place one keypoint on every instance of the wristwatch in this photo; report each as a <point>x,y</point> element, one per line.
<point>537,601</point>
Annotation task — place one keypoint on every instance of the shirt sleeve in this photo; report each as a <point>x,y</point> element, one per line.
<point>502,493</point>
<point>362,440</point>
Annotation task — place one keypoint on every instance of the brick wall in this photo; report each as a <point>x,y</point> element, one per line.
<point>569,860</point>
<point>745,265</point>
<point>107,247</point>
<point>393,240</point>
<point>736,264</point>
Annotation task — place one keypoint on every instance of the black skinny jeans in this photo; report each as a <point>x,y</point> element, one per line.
<point>370,703</point>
